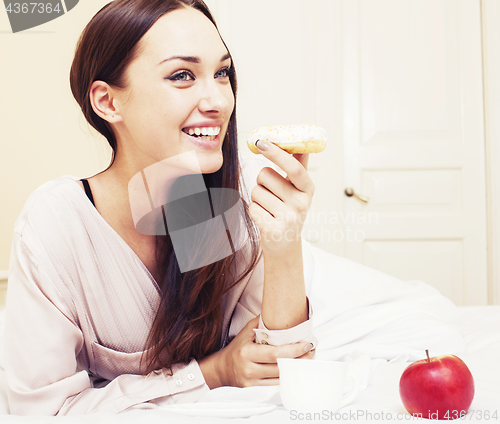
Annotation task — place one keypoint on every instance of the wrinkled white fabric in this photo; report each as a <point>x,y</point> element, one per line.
<point>359,308</point>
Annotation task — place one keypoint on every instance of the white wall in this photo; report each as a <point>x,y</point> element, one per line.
<point>43,134</point>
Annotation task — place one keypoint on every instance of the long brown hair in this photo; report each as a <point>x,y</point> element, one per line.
<point>189,319</point>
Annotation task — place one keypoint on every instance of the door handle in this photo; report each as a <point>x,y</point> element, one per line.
<point>349,192</point>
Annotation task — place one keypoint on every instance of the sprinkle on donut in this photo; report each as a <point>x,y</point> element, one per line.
<point>291,138</point>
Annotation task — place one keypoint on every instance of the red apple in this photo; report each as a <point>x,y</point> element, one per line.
<point>437,388</point>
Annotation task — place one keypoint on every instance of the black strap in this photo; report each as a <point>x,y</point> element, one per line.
<point>88,191</point>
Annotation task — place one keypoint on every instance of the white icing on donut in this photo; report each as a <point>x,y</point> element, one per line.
<point>293,138</point>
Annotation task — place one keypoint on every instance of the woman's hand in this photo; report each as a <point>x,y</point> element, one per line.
<point>280,204</point>
<point>243,363</point>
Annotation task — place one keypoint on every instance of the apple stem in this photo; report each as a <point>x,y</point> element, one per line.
<point>427,353</point>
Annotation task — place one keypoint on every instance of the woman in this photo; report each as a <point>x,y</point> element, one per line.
<point>99,315</point>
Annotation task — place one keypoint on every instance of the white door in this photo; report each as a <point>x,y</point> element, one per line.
<point>412,120</point>
<point>397,85</point>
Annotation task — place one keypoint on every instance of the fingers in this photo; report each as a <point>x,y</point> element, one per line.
<point>246,335</point>
<point>266,200</point>
<point>278,196</point>
<point>294,350</point>
<point>253,323</point>
<point>267,370</point>
<point>255,364</point>
<point>247,331</point>
<point>308,355</point>
<point>259,214</point>
<point>268,354</point>
<point>294,168</point>
<point>303,158</point>
<point>259,373</point>
<point>275,183</point>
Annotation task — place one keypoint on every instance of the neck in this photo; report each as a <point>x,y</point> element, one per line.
<point>147,189</point>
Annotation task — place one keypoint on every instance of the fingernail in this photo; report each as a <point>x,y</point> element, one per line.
<point>308,347</point>
<point>262,145</point>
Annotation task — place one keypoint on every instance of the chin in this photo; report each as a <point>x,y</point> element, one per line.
<point>210,163</point>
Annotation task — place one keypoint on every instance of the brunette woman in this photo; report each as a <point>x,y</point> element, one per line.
<point>100,316</point>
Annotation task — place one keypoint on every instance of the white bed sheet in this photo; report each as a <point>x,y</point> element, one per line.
<point>480,327</point>
<point>374,321</point>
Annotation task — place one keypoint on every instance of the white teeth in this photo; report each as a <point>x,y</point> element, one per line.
<point>210,132</point>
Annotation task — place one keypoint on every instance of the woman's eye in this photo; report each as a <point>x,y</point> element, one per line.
<point>182,76</point>
<point>223,73</point>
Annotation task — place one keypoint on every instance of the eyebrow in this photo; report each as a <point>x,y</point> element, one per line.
<point>192,59</point>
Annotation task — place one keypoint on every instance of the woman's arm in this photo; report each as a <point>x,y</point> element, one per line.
<point>280,208</point>
<point>42,346</point>
<point>244,363</point>
<point>284,303</point>
<point>276,288</point>
<point>250,357</point>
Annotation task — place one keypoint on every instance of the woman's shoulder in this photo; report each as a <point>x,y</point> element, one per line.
<point>50,201</point>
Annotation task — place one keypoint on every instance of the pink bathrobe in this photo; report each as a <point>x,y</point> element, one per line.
<point>80,304</point>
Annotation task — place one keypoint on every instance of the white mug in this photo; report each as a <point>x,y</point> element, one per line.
<point>308,385</point>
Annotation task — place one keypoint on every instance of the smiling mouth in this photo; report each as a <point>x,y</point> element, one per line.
<point>207,133</point>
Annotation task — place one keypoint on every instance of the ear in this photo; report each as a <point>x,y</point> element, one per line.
<point>102,99</point>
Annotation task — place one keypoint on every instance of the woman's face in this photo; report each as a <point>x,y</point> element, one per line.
<point>178,87</point>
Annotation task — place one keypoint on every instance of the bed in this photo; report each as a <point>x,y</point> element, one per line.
<point>400,327</point>
<point>373,321</point>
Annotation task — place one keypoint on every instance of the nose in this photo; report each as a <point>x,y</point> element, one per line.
<point>216,98</point>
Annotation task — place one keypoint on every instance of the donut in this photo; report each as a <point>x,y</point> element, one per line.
<point>291,138</point>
